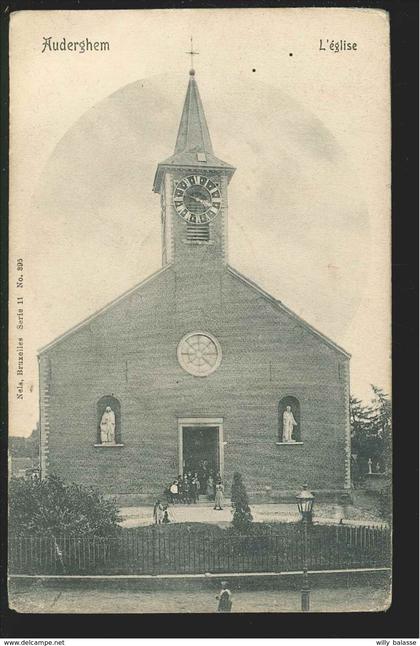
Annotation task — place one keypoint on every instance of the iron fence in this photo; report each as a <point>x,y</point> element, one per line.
<point>154,550</point>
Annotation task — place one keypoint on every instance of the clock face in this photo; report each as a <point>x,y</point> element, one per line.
<point>197,199</point>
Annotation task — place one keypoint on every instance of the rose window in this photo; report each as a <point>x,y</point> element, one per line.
<point>199,353</point>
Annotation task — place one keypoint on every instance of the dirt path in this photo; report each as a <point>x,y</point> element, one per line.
<point>42,599</point>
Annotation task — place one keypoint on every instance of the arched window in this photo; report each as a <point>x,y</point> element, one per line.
<point>108,421</point>
<point>289,420</point>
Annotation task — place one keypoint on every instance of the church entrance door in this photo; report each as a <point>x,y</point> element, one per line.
<point>201,448</point>
<point>201,451</point>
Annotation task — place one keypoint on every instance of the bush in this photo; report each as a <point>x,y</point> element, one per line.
<point>52,507</point>
<point>242,517</point>
<point>385,504</point>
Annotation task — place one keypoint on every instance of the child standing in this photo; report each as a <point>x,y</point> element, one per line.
<point>225,599</point>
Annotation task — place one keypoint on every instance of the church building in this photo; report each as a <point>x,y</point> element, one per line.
<point>196,368</point>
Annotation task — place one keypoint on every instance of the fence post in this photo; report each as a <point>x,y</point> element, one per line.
<point>154,527</point>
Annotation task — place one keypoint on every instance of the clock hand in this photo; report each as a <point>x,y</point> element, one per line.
<point>199,199</point>
<point>205,202</point>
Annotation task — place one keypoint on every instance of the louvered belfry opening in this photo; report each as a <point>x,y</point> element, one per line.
<point>198,232</point>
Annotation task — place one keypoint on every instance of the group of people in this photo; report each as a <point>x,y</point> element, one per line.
<point>186,489</point>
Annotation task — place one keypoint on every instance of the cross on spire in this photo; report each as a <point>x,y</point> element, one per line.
<point>192,53</point>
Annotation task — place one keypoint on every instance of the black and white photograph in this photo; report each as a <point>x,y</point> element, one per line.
<point>200,311</point>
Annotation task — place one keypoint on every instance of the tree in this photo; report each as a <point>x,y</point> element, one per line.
<point>381,408</point>
<point>242,517</point>
<point>51,507</point>
<point>359,417</point>
<point>381,411</point>
<point>371,428</point>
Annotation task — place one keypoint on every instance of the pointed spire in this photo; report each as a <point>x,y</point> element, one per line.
<point>193,132</point>
<point>193,148</point>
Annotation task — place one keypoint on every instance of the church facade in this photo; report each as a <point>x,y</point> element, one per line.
<point>207,368</point>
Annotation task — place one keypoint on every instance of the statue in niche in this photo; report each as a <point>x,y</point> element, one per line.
<point>289,423</point>
<point>107,426</point>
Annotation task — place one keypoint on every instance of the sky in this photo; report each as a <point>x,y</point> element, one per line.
<point>308,130</point>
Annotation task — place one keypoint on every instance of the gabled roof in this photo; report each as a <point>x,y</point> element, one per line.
<point>285,309</point>
<point>103,309</point>
<point>158,273</point>
<point>193,147</point>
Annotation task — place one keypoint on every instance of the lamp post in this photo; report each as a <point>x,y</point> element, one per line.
<point>305,501</point>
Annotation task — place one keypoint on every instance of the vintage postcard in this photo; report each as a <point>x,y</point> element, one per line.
<point>200,311</point>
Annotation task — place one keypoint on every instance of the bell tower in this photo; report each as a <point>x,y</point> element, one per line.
<point>193,185</point>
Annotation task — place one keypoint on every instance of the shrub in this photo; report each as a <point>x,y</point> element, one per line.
<point>242,517</point>
<point>385,503</point>
<point>52,507</point>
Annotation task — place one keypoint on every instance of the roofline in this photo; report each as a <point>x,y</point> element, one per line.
<point>103,309</point>
<point>233,271</point>
<point>283,307</point>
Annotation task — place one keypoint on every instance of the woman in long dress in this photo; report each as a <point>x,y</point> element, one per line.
<point>218,501</point>
<point>159,514</point>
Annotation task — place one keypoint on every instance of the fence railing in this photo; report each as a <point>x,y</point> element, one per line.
<point>156,551</point>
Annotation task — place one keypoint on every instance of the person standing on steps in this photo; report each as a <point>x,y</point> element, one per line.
<point>209,489</point>
<point>195,487</point>
<point>174,492</point>
<point>218,501</point>
<point>186,489</point>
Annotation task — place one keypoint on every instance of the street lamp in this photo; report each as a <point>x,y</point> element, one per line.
<point>305,501</point>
